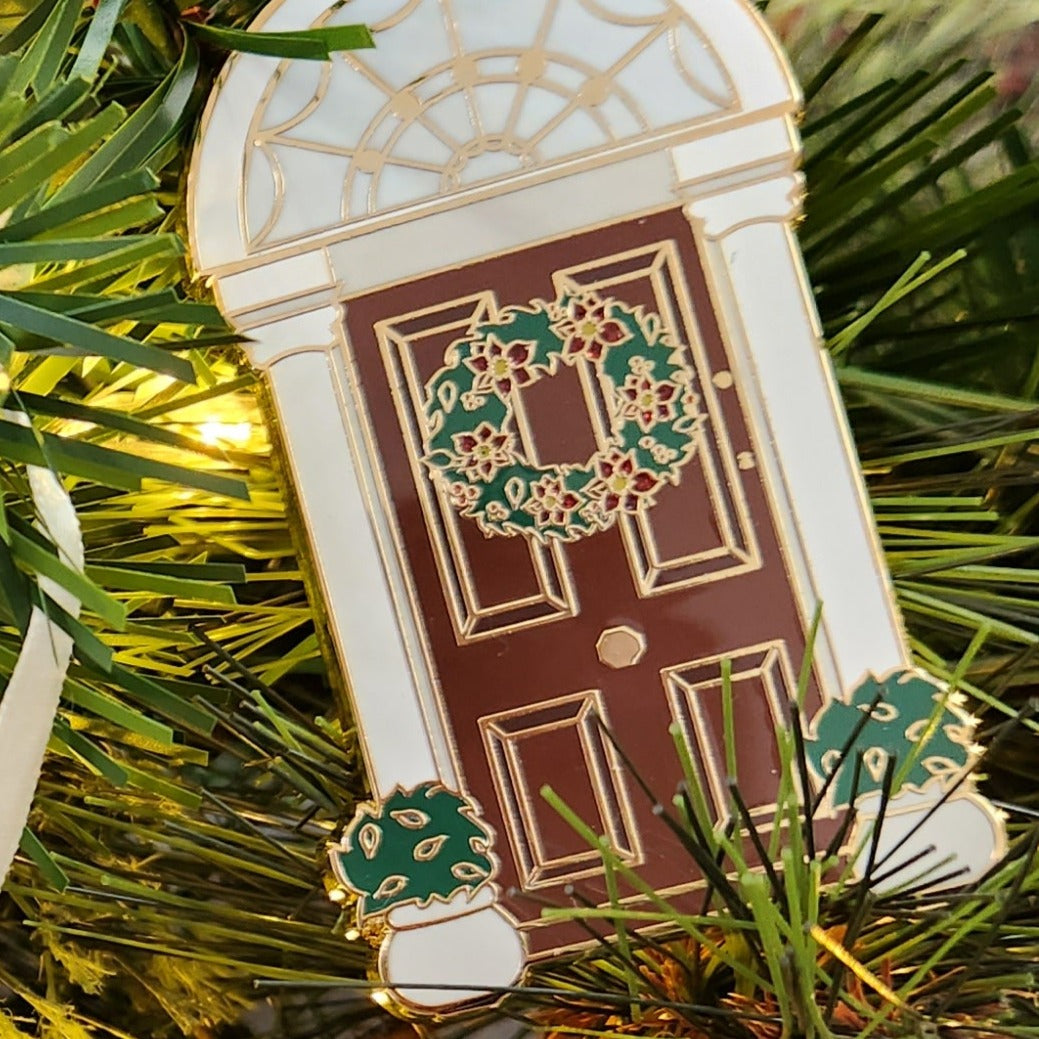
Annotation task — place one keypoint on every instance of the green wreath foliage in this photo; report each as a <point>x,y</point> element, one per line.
<point>472,448</point>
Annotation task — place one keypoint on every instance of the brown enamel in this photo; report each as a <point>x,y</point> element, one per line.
<point>543,674</point>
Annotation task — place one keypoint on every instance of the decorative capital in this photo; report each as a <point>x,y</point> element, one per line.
<point>274,288</point>
<point>313,331</point>
<point>776,200</point>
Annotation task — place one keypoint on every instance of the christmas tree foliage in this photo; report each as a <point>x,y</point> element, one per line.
<point>175,866</point>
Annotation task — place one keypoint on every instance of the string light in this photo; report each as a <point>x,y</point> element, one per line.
<point>214,433</point>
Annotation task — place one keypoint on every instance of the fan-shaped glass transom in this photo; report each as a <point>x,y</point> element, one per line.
<point>452,99</point>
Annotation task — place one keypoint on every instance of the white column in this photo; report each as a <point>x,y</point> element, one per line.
<point>366,605</point>
<point>766,309</point>
<point>339,516</point>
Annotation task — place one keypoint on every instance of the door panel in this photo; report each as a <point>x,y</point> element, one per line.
<point>701,530</point>
<point>512,628</point>
<point>560,743</point>
<point>761,681</point>
<point>490,588</point>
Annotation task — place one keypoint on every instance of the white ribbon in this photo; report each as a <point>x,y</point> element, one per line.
<point>32,695</point>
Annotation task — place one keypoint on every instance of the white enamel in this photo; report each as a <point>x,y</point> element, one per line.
<point>465,134</point>
<point>467,944</point>
<point>348,560</point>
<point>839,565</point>
<point>922,839</point>
<point>30,700</point>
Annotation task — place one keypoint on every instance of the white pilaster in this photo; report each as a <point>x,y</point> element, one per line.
<point>766,307</point>
<point>338,516</point>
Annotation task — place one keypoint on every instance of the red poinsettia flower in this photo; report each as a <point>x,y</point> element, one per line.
<point>484,451</point>
<point>622,485</point>
<point>550,503</point>
<point>501,366</point>
<point>647,401</point>
<point>586,330</point>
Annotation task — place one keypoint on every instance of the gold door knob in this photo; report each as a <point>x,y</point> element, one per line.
<point>620,647</point>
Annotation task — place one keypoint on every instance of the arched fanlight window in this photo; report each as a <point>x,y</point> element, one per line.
<point>452,103</point>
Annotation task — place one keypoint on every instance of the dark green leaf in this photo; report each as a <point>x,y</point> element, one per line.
<point>52,250</point>
<point>142,134</point>
<point>108,707</point>
<point>102,24</point>
<point>164,701</point>
<point>40,560</point>
<point>24,31</point>
<point>161,584</point>
<point>87,339</point>
<point>51,872</point>
<point>89,752</point>
<point>306,44</point>
<point>44,58</point>
<point>53,216</point>
<point>113,468</point>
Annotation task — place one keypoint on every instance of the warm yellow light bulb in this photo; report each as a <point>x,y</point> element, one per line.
<point>214,433</point>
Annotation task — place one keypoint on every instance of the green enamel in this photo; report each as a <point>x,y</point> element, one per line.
<point>497,503</point>
<point>927,740</point>
<point>415,846</point>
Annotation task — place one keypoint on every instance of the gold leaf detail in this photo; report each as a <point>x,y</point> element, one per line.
<point>875,760</point>
<point>369,837</point>
<point>918,730</point>
<point>448,395</point>
<point>468,872</point>
<point>882,712</point>
<point>941,767</point>
<point>831,759</point>
<point>410,818</point>
<point>392,885</point>
<point>515,491</point>
<point>429,848</point>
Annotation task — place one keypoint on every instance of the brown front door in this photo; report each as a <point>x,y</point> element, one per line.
<point>529,643</point>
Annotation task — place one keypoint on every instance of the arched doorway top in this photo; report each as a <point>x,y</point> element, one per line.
<point>452,104</point>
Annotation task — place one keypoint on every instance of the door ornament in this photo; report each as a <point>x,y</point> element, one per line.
<point>620,647</point>
<point>653,415</point>
<point>522,143</point>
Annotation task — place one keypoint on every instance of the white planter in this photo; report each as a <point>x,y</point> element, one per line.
<point>468,941</point>
<point>965,831</point>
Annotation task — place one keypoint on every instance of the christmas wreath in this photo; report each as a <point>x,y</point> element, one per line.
<point>474,451</point>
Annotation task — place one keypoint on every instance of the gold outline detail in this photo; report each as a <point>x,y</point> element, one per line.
<point>768,661</point>
<point>738,553</point>
<point>471,619</point>
<point>502,733</point>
